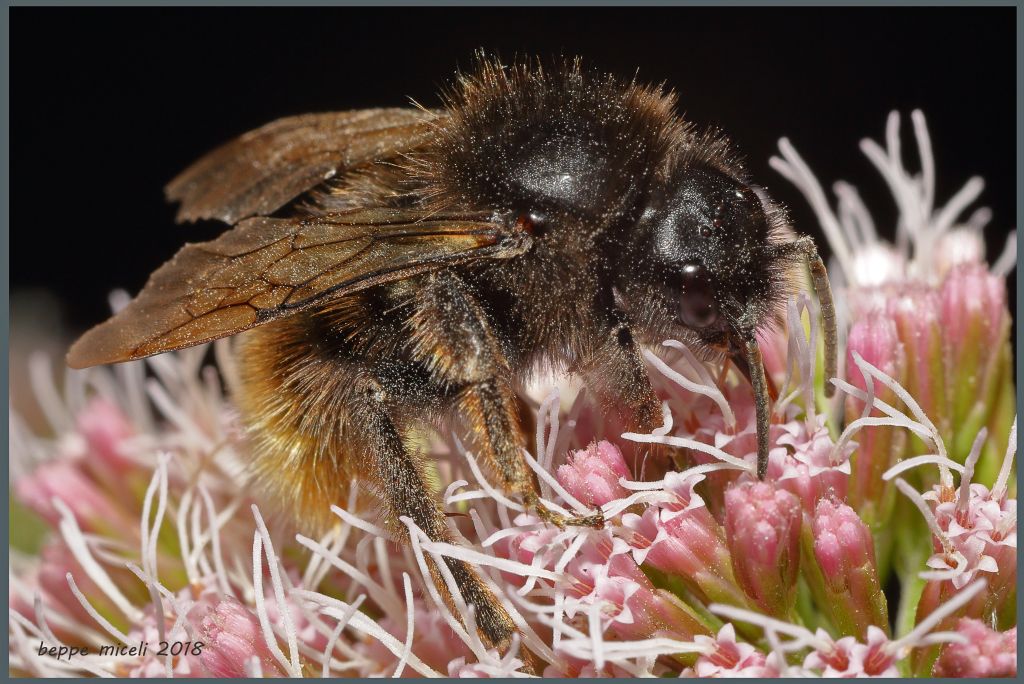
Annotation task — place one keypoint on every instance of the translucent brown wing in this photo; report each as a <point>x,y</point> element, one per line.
<point>261,171</point>
<point>266,268</point>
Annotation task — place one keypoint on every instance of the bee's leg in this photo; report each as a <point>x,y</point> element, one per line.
<point>452,331</point>
<point>401,485</point>
<point>490,409</point>
<point>617,375</point>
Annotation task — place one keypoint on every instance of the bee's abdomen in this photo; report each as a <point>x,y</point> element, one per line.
<point>311,387</point>
<point>296,404</point>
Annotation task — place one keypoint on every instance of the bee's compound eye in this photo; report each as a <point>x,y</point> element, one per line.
<point>533,222</point>
<point>697,302</point>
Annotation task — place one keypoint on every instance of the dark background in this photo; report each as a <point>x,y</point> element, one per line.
<point>108,105</point>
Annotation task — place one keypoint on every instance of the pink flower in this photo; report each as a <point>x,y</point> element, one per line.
<point>685,547</point>
<point>876,338</point>
<point>524,547</point>
<point>803,462</point>
<point>727,657</point>
<point>682,538</point>
<point>984,531</point>
<point>683,488</point>
<point>606,576</point>
<point>810,469</point>
<point>974,535</point>
<point>834,659</point>
<point>232,635</point>
<point>845,553</point>
<point>535,539</point>
<point>93,509</point>
<point>848,657</point>
<point>986,653</point>
<point>592,474</point>
<point>763,531</point>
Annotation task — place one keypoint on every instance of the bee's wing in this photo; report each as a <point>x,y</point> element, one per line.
<point>261,171</point>
<point>266,268</point>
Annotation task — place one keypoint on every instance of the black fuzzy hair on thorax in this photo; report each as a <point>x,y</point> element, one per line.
<point>508,125</point>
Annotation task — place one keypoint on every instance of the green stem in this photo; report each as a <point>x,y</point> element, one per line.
<point>910,596</point>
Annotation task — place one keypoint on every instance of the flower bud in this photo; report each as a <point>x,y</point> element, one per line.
<point>845,554</point>
<point>762,526</point>
<point>977,326</point>
<point>987,653</point>
<point>592,474</point>
<point>876,339</point>
<point>232,635</point>
<point>914,309</point>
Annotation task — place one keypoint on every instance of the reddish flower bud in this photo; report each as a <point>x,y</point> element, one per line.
<point>844,551</point>
<point>592,474</point>
<point>232,635</point>
<point>987,653</point>
<point>763,531</point>
<point>876,339</point>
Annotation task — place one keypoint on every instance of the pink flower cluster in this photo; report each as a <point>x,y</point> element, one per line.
<point>699,570</point>
<point>984,652</point>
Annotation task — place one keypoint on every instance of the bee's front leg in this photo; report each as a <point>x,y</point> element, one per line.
<point>489,409</point>
<point>616,373</point>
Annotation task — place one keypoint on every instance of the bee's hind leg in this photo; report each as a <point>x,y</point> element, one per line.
<point>397,475</point>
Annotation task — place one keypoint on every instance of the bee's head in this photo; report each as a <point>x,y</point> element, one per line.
<point>708,262</point>
<point>704,258</point>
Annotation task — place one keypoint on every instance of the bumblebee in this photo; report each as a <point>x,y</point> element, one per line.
<point>398,268</point>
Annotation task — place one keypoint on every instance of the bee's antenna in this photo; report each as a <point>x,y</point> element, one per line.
<point>755,365</point>
<point>805,246</point>
<point>823,290</point>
